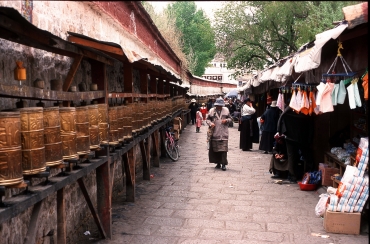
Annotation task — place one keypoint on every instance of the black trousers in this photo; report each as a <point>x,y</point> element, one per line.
<point>297,165</point>
<point>192,116</point>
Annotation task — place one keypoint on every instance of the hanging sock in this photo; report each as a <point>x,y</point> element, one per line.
<point>342,92</point>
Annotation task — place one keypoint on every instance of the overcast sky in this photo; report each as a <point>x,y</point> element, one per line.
<point>208,6</point>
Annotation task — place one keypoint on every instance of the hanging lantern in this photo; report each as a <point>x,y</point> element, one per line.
<point>19,71</point>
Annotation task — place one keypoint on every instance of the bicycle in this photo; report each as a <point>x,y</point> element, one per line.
<point>171,146</point>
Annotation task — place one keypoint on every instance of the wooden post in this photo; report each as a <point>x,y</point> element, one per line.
<point>146,162</point>
<point>163,137</point>
<point>128,79</point>
<point>104,199</point>
<point>144,82</point>
<point>155,148</point>
<point>91,207</point>
<point>98,76</point>
<point>61,218</point>
<point>129,161</point>
<point>31,232</point>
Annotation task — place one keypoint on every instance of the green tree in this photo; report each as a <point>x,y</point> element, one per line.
<point>197,35</point>
<point>253,34</point>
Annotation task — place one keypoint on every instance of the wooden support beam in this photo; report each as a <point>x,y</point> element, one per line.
<point>160,86</point>
<point>61,218</point>
<point>31,232</point>
<point>162,137</point>
<point>96,45</point>
<point>91,207</point>
<point>129,162</point>
<point>98,76</point>
<point>146,162</point>
<point>72,72</point>
<point>112,172</point>
<point>128,80</point>
<point>155,148</point>
<point>144,82</point>
<point>104,199</point>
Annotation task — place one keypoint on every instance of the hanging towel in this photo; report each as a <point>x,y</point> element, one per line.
<point>357,94</point>
<point>341,92</point>
<point>293,101</point>
<point>351,96</point>
<point>326,105</point>
<point>334,94</point>
<point>320,89</point>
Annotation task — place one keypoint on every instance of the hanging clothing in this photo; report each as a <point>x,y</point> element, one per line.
<point>342,92</point>
<point>357,94</point>
<point>312,102</point>
<point>326,105</point>
<point>334,94</point>
<point>305,105</point>
<point>280,102</point>
<point>365,80</point>
<point>295,101</point>
<point>353,95</point>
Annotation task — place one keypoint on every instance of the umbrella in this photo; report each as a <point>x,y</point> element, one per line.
<point>232,93</point>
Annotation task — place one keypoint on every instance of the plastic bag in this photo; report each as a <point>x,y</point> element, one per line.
<point>321,205</point>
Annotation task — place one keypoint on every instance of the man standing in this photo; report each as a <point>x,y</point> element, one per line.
<point>193,106</point>
<point>218,119</point>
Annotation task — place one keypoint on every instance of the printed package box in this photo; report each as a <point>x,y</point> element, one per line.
<point>343,223</point>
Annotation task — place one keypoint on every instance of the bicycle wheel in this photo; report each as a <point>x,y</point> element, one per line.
<point>171,150</point>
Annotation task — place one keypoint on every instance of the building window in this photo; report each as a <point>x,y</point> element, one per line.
<point>220,78</point>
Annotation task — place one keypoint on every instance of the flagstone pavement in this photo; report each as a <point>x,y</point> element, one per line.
<point>192,202</point>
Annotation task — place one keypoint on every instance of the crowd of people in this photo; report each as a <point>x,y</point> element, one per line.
<point>268,130</point>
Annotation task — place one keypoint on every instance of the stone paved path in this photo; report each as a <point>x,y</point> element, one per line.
<point>189,201</point>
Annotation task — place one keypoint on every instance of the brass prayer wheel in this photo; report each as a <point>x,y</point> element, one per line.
<point>52,137</point>
<point>103,123</point>
<point>10,149</point>
<point>82,130</point>
<point>113,125</point>
<point>127,122</point>
<point>94,126</point>
<point>120,122</point>
<point>68,132</point>
<point>32,139</point>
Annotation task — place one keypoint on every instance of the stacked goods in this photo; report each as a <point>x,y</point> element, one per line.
<point>350,196</point>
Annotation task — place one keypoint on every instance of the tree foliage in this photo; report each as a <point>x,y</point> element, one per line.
<point>197,35</point>
<point>165,24</point>
<point>253,34</point>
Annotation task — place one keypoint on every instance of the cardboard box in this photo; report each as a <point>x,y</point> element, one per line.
<point>343,223</point>
<point>326,174</point>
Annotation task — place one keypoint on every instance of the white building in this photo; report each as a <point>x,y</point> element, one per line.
<point>218,71</point>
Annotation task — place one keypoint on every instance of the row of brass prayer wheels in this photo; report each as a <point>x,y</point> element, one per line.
<point>33,138</point>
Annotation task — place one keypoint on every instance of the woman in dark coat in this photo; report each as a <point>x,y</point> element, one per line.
<point>249,132</point>
<point>270,119</point>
